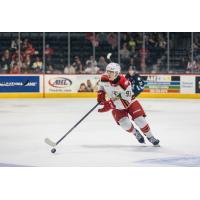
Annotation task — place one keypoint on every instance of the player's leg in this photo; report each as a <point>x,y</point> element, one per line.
<point>144,127</point>
<point>138,115</point>
<point>122,119</point>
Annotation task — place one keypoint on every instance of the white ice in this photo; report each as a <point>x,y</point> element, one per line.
<point>98,140</point>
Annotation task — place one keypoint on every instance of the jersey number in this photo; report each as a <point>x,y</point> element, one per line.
<point>128,93</point>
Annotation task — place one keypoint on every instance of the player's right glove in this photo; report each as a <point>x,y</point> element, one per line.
<point>107,105</point>
<point>101,97</point>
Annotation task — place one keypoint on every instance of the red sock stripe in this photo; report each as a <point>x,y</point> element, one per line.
<point>145,129</point>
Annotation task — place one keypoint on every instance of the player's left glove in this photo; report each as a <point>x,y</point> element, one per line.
<point>107,105</point>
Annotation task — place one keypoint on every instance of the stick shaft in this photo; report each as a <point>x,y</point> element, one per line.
<point>77,124</point>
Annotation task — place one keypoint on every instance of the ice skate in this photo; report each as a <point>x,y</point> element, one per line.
<point>153,140</point>
<point>139,137</point>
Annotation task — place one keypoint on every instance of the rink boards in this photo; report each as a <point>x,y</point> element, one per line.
<point>67,86</point>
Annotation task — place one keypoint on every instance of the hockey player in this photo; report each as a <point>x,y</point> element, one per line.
<point>137,83</point>
<point>123,103</point>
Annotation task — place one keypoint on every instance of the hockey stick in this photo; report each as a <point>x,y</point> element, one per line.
<point>109,57</point>
<point>53,144</point>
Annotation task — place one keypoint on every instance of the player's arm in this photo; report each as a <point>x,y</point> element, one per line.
<point>101,97</point>
<point>101,94</point>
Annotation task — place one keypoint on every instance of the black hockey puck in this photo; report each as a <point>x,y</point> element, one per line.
<point>53,150</point>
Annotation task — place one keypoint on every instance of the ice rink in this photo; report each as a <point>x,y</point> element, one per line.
<point>98,140</point>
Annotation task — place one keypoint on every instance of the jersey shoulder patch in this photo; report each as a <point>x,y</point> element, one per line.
<point>123,82</point>
<point>104,78</point>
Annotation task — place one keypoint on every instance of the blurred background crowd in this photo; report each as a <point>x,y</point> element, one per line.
<point>85,52</point>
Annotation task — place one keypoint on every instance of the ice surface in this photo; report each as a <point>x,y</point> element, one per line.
<point>98,140</point>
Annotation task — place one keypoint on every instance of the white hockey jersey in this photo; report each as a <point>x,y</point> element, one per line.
<point>118,90</point>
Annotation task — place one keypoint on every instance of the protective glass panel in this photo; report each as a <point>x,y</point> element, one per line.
<point>180,52</point>
<point>9,45</point>
<point>106,43</point>
<point>81,53</point>
<point>131,45</point>
<point>194,63</point>
<point>30,53</point>
<point>56,52</point>
<point>155,52</point>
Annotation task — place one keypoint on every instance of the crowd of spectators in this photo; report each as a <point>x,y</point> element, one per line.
<point>21,58</point>
<point>91,66</point>
<point>144,52</point>
<point>193,65</point>
<point>88,87</point>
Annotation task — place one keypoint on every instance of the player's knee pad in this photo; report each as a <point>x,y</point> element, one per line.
<point>142,124</point>
<point>140,121</point>
<point>126,124</point>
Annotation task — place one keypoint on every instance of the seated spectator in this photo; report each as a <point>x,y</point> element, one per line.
<point>24,44</point>
<point>102,63</point>
<point>69,70</point>
<point>48,51</point>
<point>139,40</point>
<point>125,55</point>
<point>26,65</point>
<point>5,62</point>
<point>157,66</point>
<point>112,40</point>
<point>49,69</point>
<point>77,64</point>
<point>91,69</point>
<point>6,54</point>
<point>82,88</point>
<point>30,50</point>
<point>15,56</point>
<point>14,45</point>
<point>88,35</point>
<point>16,61</point>
<point>93,38</point>
<point>89,86</point>
<point>131,43</point>
<point>91,60</point>
<point>191,66</point>
<point>198,66</point>
<point>37,65</point>
<point>162,43</point>
<point>15,69</point>
<point>124,52</point>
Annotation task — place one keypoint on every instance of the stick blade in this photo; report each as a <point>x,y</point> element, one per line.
<point>109,55</point>
<point>49,142</point>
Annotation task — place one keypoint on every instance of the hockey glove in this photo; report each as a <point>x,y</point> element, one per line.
<point>101,97</point>
<point>107,105</point>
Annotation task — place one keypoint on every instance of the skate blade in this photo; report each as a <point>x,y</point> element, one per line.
<point>157,145</point>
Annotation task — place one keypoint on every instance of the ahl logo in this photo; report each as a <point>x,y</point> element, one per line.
<point>60,82</point>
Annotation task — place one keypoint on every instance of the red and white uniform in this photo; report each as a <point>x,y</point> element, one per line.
<point>122,103</point>
<point>120,92</point>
